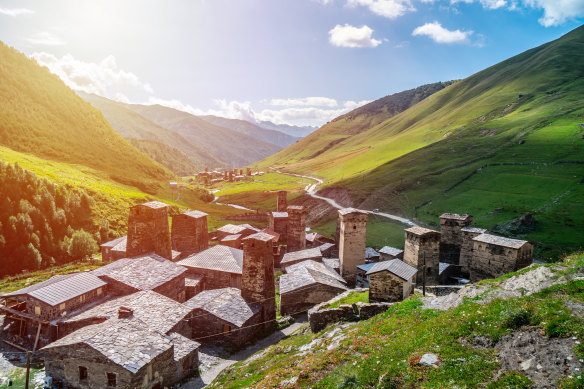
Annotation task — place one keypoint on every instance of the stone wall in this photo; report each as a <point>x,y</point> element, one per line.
<point>450,226</point>
<point>491,261</point>
<point>296,230</point>
<point>384,286</point>
<point>466,250</point>
<point>420,249</point>
<point>304,298</point>
<point>190,233</point>
<point>50,313</point>
<point>215,279</point>
<point>352,236</point>
<point>109,255</point>
<point>148,231</point>
<point>279,225</point>
<point>281,203</point>
<point>209,329</point>
<point>257,279</point>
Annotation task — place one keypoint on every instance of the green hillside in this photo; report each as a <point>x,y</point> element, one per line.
<point>39,114</point>
<point>169,157</point>
<point>234,147</point>
<point>132,125</point>
<point>498,144</point>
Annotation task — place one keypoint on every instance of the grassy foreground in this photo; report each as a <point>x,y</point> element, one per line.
<point>382,351</point>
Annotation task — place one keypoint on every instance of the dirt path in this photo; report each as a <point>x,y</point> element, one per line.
<point>311,190</point>
<point>212,364</point>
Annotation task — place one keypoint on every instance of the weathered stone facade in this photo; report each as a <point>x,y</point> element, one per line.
<point>296,230</point>
<point>257,279</point>
<point>189,232</point>
<point>278,222</point>
<point>148,230</point>
<point>211,329</point>
<point>451,236</point>
<point>301,299</point>
<point>384,286</point>
<point>494,256</point>
<point>422,247</point>
<point>281,203</point>
<point>466,250</point>
<point>216,279</point>
<point>232,241</point>
<point>352,236</point>
<point>114,249</point>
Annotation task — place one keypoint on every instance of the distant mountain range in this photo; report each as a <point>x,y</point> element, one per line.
<point>297,131</point>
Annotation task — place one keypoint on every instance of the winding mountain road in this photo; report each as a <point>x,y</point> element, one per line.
<point>311,190</point>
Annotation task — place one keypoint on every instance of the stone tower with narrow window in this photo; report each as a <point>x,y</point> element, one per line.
<point>296,228</point>
<point>189,232</point>
<point>281,204</point>
<point>148,230</point>
<point>422,251</point>
<point>352,227</point>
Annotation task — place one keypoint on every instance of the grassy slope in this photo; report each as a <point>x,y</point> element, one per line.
<point>41,115</point>
<point>245,127</point>
<point>235,148</point>
<point>131,124</point>
<point>167,156</point>
<point>377,352</point>
<point>415,163</point>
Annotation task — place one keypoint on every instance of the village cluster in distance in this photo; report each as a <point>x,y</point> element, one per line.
<point>139,320</point>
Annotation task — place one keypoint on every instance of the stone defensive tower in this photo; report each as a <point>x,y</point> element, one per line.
<point>422,247</point>
<point>466,250</point>
<point>352,230</point>
<point>189,232</point>
<point>451,236</point>
<point>148,230</point>
<point>296,229</point>
<point>281,205</point>
<point>257,279</point>
<point>278,222</point>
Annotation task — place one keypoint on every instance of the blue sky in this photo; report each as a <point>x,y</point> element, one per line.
<point>300,62</point>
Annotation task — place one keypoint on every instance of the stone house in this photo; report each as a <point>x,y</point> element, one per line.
<point>148,230</point>
<point>329,250</point>
<point>306,284</point>
<point>114,249</point>
<point>494,256</point>
<point>299,256</point>
<point>352,227</point>
<point>120,353</point>
<point>232,241</point>
<point>222,315</point>
<point>451,225</point>
<point>233,229</point>
<point>296,228</point>
<point>422,248</point>
<point>219,266</point>
<point>146,272</point>
<point>161,313</point>
<point>371,255</point>
<point>391,281</point>
<point>189,232</point>
<point>194,284</point>
<point>466,249</point>
<point>386,253</point>
<point>278,222</point>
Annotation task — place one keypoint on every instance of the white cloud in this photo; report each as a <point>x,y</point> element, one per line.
<point>556,12</point>
<point>349,36</point>
<point>350,105</point>
<point>15,11</point>
<point>439,34</point>
<point>45,39</point>
<point>390,9</point>
<point>304,101</point>
<point>488,4</point>
<point>104,78</point>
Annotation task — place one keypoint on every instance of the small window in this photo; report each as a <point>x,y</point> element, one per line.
<point>111,380</point>
<point>62,306</point>
<point>37,309</point>
<point>82,373</point>
<point>82,298</point>
<point>99,291</point>
<point>226,328</point>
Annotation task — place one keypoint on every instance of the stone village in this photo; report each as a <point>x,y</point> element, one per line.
<point>139,320</point>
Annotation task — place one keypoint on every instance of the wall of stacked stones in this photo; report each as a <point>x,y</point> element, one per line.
<point>384,286</point>
<point>174,289</point>
<point>303,299</point>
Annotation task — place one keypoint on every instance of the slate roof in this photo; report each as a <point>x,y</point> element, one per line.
<point>500,241</point>
<point>182,346</point>
<point>226,304</point>
<point>396,267</point>
<point>442,266</point>
<point>274,234</point>
<point>333,263</point>
<point>277,215</point>
<point>193,280</point>
<point>417,230</point>
<point>160,312</point>
<point>114,242</point>
<point>144,272</point>
<point>325,246</point>
<point>59,289</point>
<point>474,229</point>
<point>220,258</point>
<point>301,255</point>
<point>366,266</point>
<point>307,273</point>
<point>391,251</point>
<point>232,229</point>
<point>231,237</point>
<point>454,216</point>
<point>128,343</point>
<point>154,204</point>
<point>370,253</point>
<point>196,214</point>
<point>346,211</point>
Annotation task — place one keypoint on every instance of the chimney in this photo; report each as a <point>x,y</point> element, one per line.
<point>125,312</point>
